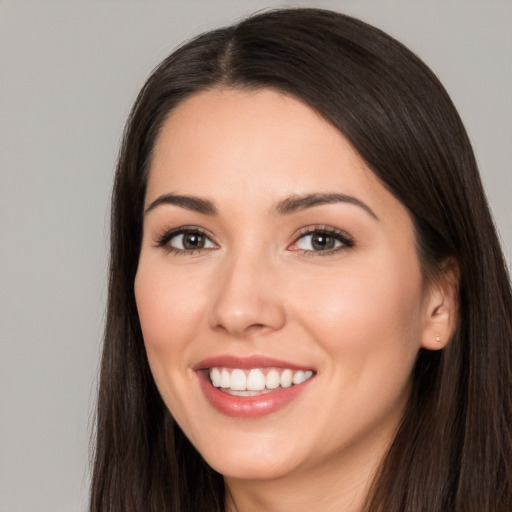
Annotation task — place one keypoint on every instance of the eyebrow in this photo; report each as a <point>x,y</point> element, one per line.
<point>286,206</point>
<point>301,202</point>
<point>192,203</point>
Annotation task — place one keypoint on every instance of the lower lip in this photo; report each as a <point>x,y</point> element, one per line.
<point>249,406</point>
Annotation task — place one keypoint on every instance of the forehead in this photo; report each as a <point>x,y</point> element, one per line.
<point>255,147</point>
<point>249,132</point>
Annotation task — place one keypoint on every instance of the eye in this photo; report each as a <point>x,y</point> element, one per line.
<point>190,241</point>
<point>185,240</point>
<point>324,240</point>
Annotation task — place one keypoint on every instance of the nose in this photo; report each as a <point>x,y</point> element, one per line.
<point>247,297</point>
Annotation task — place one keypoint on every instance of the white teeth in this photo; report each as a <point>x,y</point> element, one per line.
<point>254,381</point>
<point>298,377</point>
<point>238,380</point>
<point>225,379</point>
<point>215,377</point>
<point>273,380</point>
<point>286,379</point>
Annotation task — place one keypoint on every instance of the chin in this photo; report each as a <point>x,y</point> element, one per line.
<point>262,462</point>
<point>251,470</point>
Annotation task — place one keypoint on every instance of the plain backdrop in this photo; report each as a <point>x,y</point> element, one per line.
<point>69,71</point>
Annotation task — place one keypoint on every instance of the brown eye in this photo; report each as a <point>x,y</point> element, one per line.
<point>323,241</point>
<point>318,241</point>
<point>187,241</point>
<point>193,241</point>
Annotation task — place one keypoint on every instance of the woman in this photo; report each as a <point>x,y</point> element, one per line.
<point>308,304</point>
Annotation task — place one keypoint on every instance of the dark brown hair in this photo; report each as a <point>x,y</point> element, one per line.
<point>453,450</point>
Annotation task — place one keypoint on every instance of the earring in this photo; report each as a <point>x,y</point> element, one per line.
<point>438,339</point>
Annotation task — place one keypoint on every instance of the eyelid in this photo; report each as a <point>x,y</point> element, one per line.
<point>162,239</point>
<point>347,241</point>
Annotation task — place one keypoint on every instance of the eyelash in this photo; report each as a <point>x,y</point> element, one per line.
<point>346,241</point>
<point>164,239</point>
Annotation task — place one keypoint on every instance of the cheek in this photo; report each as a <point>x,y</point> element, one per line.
<point>366,310</point>
<point>168,308</point>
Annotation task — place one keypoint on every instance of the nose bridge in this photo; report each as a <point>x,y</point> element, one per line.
<point>247,295</point>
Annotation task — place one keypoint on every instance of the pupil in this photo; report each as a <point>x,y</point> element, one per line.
<point>322,242</point>
<point>193,241</point>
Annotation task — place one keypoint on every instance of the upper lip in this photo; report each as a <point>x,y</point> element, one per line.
<point>247,362</point>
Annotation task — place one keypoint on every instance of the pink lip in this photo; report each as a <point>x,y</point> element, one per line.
<point>244,363</point>
<point>248,406</point>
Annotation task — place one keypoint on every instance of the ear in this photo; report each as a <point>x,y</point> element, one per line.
<point>442,307</point>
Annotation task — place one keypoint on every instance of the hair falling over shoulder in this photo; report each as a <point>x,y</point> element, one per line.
<point>453,450</point>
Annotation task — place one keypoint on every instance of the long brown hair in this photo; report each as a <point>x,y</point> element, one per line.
<point>453,450</point>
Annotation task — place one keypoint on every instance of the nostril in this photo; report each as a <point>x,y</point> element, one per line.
<point>256,326</point>
<point>242,330</point>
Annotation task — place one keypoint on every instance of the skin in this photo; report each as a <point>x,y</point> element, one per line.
<point>357,315</point>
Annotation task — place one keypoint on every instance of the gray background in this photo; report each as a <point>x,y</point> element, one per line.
<point>69,71</point>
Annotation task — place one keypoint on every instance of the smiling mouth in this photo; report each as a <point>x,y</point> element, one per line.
<point>255,381</point>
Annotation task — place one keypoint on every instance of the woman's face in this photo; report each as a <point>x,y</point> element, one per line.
<point>278,288</point>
